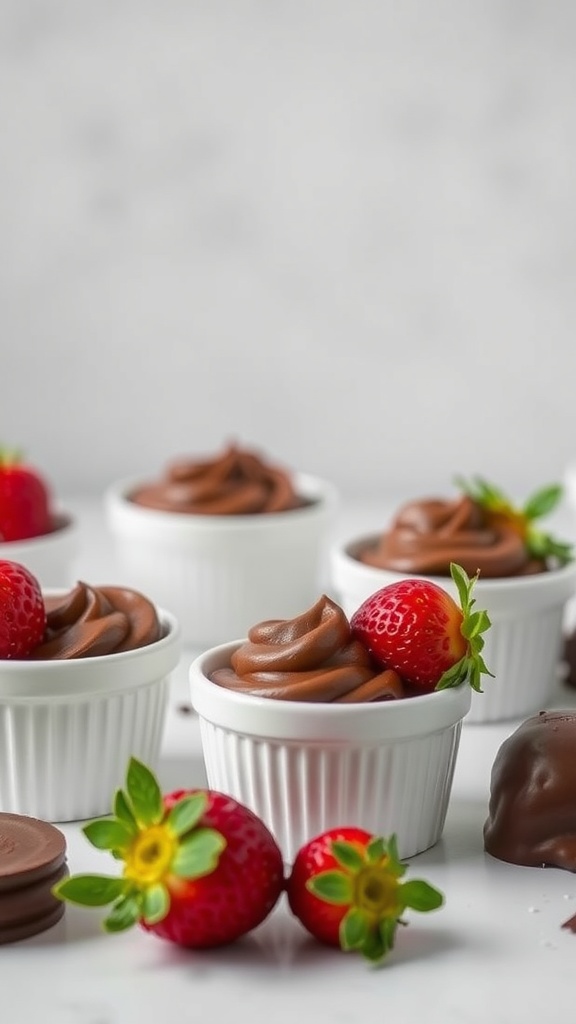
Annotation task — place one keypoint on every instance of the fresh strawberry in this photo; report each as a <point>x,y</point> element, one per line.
<point>200,869</point>
<point>345,888</point>
<point>24,500</point>
<point>22,611</point>
<point>416,628</point>
<point>499,511</point>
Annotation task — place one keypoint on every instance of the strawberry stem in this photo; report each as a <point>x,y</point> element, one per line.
<point>471,666</point>
<point>156,846</point>
<point>495,503</point>
<point>367,882</point>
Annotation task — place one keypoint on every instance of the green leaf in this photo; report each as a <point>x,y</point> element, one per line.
<point>387,928</point>
<point>474,624</point>
<point>376,849</point>
<point>123,811</point>
<point>185,814</point>
<point>395,866</point>
<point>420,896</point>
<point>543,545</point>
<point>484,493</point>
<point>332,887</point>
<point>144,793</point>
<point>155,903</point>
<point>199,854</point>
<point>348,855</point>
<point>124,914</point>
<point>90,890</point>
<point>543,502</point>
<point>354,929</point>
<point>463,584</point>
<point>108,834</point>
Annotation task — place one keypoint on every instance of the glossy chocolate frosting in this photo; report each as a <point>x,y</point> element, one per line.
<point>90,621</point>
<point>310,658</point>
<point>427,535</point>
<point>238,482</point>
<point>532,809</point>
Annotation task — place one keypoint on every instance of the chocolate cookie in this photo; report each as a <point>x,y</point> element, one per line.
<point>32,860</point>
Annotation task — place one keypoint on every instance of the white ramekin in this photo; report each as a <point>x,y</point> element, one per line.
<point>303,768</point>
<point>523,646</point>
<point>68,728</point>
<point>220,574</point>
<point>51,558</point>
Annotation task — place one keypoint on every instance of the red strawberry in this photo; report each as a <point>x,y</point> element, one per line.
<point>200,869</point>
<point>24,500</point>
<point>345,888</point>
<point>22,611</point>
<point>416,628</point>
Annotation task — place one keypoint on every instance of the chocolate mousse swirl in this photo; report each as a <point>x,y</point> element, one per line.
<point>236,483</point>
<point>310,658</point>
<point>91,621</point>
<point>426,536</point>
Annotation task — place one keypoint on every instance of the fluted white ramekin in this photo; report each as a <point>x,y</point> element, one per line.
<point>219,574</point>
<point>303,767</point>
<point>69,727</point>
<point>51,558</point>
<point>523,646</point>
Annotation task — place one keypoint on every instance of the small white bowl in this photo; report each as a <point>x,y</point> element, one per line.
<point>303,767</point>
<point>50,558</point>
<point>219,574</point>
<point>69,727</point>
<point>523,646</point>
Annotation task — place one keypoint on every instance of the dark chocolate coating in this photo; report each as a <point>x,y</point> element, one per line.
<point>532,809</point>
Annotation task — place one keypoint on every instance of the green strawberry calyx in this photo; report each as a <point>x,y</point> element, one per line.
<point>522,519</point>
<point>471,666</point>
<point>155,845</point>
<point>367,882</point>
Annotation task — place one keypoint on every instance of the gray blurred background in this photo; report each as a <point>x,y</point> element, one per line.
<point>343,231</point>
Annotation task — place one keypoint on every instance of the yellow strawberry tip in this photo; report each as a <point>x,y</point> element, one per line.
<point>367,882</point>
<point>155,844</point>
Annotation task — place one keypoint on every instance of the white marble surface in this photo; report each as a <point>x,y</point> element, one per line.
<point>496,951</point>
<point>345,230</point>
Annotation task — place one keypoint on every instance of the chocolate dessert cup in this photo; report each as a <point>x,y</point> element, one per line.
<point>220,573</point>
<point>386,766</point>
<point>69,724</point>
<point>523,647</point>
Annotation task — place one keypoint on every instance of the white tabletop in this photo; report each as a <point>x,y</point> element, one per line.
<point>496,951</point>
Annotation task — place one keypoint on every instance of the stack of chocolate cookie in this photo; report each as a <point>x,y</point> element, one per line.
<point>32,860</point>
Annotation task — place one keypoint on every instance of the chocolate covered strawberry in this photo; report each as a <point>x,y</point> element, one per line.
<point>24,500</point>
<point>415,627</point>
<point>199,869</point>
<point>22,611</point>
<point>499,511</point>
<point>346,888</point>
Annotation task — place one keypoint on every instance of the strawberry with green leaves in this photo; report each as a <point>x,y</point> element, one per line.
<point>22,611</point>
<point>199,868</point>
<point>24,499</point>
<point>500,512</point>
<point>415,627</point>
<point>346,888</point>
